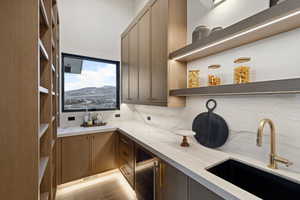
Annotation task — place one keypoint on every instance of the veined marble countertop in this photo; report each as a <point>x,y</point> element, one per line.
<point>192,161</point>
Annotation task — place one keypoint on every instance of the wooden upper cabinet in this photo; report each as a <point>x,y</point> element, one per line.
<point>125,68</point>
<point>159,29</point>
<point>133,64</point>
<point>144,58</point>
<point>75,157</point>
<point>159,50</point>
<point>103,152</point>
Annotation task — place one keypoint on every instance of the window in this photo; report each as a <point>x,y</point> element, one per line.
<point>89,84</point>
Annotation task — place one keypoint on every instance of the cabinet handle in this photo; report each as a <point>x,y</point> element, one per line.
<point>156,173</point>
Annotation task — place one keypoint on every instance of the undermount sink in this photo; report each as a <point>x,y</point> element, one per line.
<point>259,183</point>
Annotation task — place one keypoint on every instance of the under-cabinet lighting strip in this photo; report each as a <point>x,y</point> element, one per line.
<point>240,34</point>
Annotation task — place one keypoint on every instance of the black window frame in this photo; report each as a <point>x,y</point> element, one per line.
<point>117,63</point>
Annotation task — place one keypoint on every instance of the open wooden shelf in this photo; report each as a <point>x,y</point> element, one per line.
<point>285,86</point>
<point>42,168</point>
<point>280,18</point>
<point>43,50</point>
<point>43,129</point>
<point>44,13</point>
<point>43,90</point>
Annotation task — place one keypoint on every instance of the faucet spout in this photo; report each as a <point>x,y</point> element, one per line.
<point>273,155</point>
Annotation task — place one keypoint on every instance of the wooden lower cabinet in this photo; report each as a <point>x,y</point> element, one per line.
<point>173,183</point>
<point>103,152</point>
<point>82,156</point>
<point>199,192</point>
<point>86,155</point>
<point>75,158</point>
<point>126,159</point>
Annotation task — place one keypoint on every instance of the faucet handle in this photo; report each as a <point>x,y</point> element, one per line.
<point>284,161</point>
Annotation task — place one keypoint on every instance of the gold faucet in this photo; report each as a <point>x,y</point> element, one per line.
<point>274,158</point>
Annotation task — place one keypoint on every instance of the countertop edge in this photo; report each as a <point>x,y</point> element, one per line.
<point>85,132</point>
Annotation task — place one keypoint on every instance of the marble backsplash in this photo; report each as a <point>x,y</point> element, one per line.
<point>242,113</point>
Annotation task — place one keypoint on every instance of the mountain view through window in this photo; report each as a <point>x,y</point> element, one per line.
<point>89,84</point>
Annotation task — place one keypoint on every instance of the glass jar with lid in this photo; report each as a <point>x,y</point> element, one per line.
<point>194,78</point>
<point>214,75</point>
<point>242,71</point>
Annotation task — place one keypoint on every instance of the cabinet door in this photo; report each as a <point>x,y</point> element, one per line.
<point>144,58</point>
<point>104,151</point>
<point>199,192</point>
<point>159,50</point>
<point>76,158</point>
<point>126,158</point>
<point>133,64</point>
<point>125,68</point>
<point>174,184</point>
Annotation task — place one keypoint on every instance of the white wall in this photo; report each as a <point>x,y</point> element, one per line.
<point>138,5</point>
<point>273,58</point>
<point>93,28</point>
<point>225,14</point>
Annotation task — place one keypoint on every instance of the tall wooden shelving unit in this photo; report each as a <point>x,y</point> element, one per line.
<point>48,71</point>
<point>29,104</point>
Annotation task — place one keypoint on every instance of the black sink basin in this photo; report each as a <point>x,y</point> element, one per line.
<point>260,183</point>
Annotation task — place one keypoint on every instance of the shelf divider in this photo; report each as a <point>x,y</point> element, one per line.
<point>43,90</point>
<point>53,68</point>
<point>44,13</point>
<point>43,129</point>
<point>43,50</point>
<point>43,166</point>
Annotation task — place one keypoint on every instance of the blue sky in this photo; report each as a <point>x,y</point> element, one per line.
<point>94,74</point>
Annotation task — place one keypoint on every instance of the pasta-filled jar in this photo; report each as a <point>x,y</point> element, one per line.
<point>242,71</point>
<point>194,78</point>
<point>214,75</point>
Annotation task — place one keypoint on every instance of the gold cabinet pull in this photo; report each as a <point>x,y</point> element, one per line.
<point>161,175</point>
